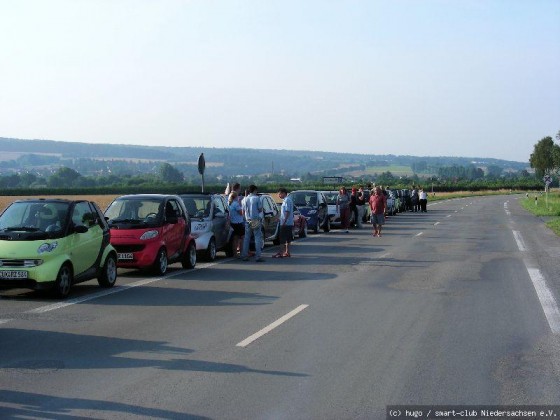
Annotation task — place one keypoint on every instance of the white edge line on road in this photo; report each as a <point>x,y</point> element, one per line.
<point>449,215</point>
<point>418,234</point>
<point>519,240</point>
<point>546,299</point>
<point>4,321</point>
<point>272,326</point>
<point>436,223</point>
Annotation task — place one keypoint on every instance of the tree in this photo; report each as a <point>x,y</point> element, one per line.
<point>543,157</point>
<point>169,173</point>
<point>64,177</point>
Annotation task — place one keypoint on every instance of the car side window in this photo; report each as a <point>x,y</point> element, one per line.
<point>172,209</point>
<point>219,205</point>
<point>83,215</point>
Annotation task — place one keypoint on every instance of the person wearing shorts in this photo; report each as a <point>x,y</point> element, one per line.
<point>237,222</point>
<point>285,232</point>
<point>378,204</point>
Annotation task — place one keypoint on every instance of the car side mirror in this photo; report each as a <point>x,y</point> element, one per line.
<point>80,229</point>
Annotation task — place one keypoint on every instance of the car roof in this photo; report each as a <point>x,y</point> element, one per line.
<point>306,191</point>
<point>49,200</point>
<point>146,196</point>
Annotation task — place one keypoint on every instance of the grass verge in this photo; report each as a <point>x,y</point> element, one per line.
<point>541,205</point>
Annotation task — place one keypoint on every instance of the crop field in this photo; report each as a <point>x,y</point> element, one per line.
<point>102,200</point>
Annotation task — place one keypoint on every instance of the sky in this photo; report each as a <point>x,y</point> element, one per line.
<point>470,78</point>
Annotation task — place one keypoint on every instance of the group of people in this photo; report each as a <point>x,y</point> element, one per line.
<point>246,215</point>
<point>246,221</point>
<point>353,203</point>
<point>374,200</point>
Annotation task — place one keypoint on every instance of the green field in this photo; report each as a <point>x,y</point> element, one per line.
<point>543,206</point>
<point>397,170</point>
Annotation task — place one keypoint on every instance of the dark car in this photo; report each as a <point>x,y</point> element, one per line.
<point>54,244</point>
<point>210,223</point>
<point>151,231</point>
<point>313,205</point>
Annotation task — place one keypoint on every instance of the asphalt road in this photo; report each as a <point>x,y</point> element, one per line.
<point>454,306</point>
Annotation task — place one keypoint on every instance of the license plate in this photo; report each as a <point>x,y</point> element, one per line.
<point>5,274</point>
<point>125,256</point>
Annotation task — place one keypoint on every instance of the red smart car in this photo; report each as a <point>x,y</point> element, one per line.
<point>151,231</point>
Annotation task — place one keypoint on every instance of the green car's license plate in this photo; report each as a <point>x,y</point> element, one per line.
<point>8,274</point>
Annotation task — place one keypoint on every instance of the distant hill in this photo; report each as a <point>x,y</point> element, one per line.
<point>46,155</point>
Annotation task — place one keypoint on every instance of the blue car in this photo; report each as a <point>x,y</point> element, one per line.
<point>313,205</point>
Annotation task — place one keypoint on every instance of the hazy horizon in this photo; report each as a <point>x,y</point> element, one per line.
<point>433,78</point>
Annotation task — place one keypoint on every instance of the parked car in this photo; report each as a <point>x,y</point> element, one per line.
<point>151,231</point>
<point>300,225</point>
<point>271,218</point>
<point>391,208</point>
<point>54,244</point>
<point>396,201</point>
<point>313,205</point>
<point>210,223</point>
<point>334,215</point>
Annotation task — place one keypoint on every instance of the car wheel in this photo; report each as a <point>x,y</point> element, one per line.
<point>189,258</point>
<point>160,264</point>
<point>303,231</point>
<point>327,226</point>
<point>63,281</point>
<point>210,254</point>
<point>108,276</point>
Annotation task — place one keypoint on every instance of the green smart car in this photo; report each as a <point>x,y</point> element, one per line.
<point>53,244</point>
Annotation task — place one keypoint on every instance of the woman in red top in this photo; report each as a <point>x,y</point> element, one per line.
<point>377,203</point>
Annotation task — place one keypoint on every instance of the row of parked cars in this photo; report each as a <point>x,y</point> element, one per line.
<point>56,243</point>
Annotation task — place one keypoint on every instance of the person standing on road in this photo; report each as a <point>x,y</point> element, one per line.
<point>252,210</point>
<point>237,222</point>
<point>343,207</point>
<point>286,223</point>
<point>361,203</point>
<point>423,200</point>
<point>378,204</point>
<point>354,207</point>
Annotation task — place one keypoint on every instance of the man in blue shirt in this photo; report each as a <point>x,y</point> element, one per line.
<point>286,222</point>
<point>252,210</point>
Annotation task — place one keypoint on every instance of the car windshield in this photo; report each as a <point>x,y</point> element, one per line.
<point>35,216</point>
<point>331,197</point>
<point>198,207</point>
<point>135,211</point>
<point>304,198</point>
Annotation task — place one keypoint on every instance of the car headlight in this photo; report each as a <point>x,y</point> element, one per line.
<point>151,234</point>
<point>46,247</point>
<point>32,263</point>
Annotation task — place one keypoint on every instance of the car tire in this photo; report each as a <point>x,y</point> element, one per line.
<point>108,276</point>
<point>210,253</point>
<point>161,263</point>
<point>189,257</point>
<point>63,281</point>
